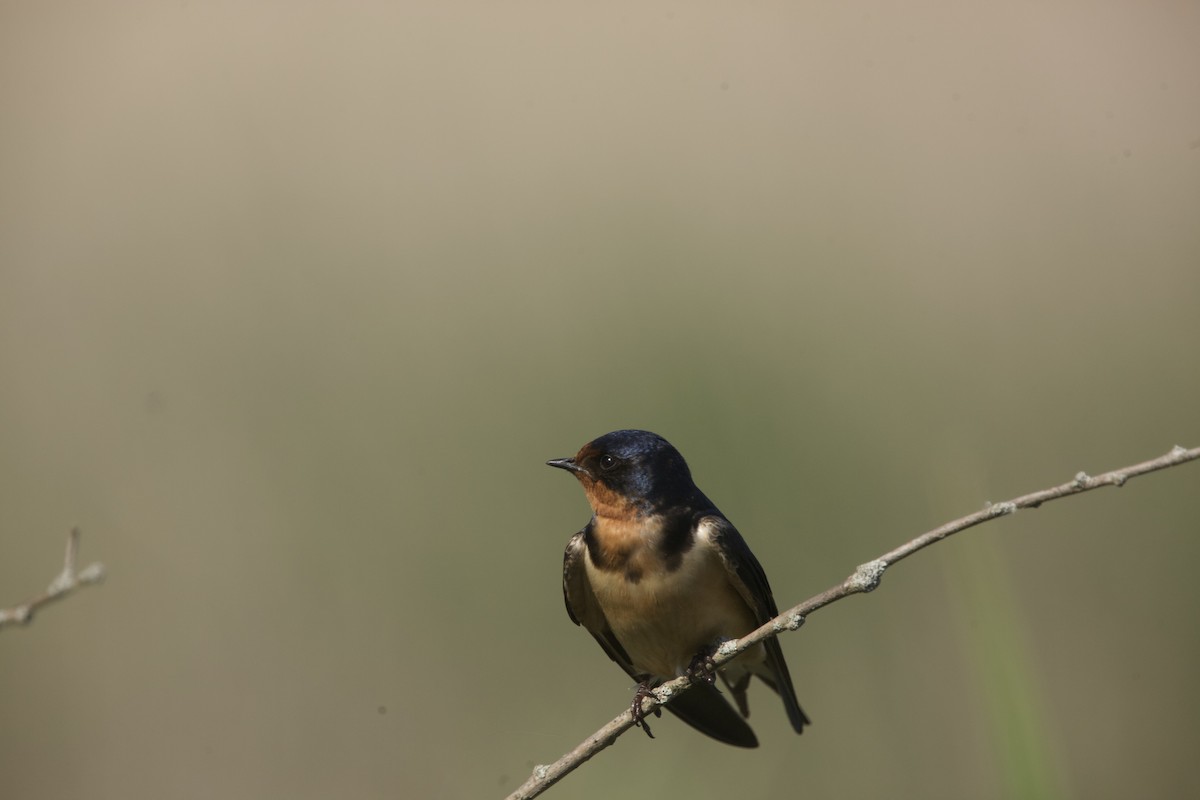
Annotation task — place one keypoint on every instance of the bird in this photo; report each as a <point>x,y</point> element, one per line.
<point>660,577</point>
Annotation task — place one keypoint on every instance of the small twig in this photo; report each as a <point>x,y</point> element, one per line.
<point>864,579</point>
<point>63,584</point>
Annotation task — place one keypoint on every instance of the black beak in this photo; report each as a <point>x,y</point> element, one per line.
<point>566,463</point>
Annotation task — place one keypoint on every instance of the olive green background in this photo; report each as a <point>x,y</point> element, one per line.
<point>296,299</point>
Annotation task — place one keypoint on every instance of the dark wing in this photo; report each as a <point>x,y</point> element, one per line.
<point>702,706</point>
<point>747,576</point>
<point>582,606</point>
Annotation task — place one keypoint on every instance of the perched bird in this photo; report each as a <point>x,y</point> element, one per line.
<point>661,578</point>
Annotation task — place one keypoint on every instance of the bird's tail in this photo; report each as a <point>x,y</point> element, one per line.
<point>775,674</point>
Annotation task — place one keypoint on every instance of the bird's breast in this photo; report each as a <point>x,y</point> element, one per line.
<point>664,611</point>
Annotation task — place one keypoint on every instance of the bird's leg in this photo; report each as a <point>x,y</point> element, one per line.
<point>703,667</point>
<point>639,716</point>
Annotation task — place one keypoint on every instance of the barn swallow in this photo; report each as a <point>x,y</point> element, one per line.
<point>661,578</point>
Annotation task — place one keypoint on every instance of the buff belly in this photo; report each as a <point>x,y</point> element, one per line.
<point>664,619</point>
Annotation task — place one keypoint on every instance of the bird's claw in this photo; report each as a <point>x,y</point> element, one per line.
<point>639,716</point>
<point>703,668</point>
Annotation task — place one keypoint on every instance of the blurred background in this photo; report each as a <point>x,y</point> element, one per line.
<point>297,298</point>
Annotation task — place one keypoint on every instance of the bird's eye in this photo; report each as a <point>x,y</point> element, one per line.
<point>607,461</point>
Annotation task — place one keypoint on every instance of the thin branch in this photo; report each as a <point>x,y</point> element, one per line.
<point>864,579</point>
<point>63,584</point>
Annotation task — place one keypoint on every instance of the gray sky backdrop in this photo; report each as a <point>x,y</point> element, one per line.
<point>296,299</point>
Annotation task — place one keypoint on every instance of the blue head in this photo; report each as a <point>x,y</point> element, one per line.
<point>631,467</point>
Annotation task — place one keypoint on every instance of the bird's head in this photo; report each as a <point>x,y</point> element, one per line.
<point>630,471</point>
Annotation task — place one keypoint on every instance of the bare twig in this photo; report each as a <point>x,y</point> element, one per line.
<point>864,579</point>
<point>66,582</point>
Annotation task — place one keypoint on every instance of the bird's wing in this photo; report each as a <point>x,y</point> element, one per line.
<point>745,573</point>
<point>582,606</point>
<point>747,577</point>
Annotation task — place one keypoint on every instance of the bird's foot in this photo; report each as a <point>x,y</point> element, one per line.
<point>703,668</point>
<point>639,716</point>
